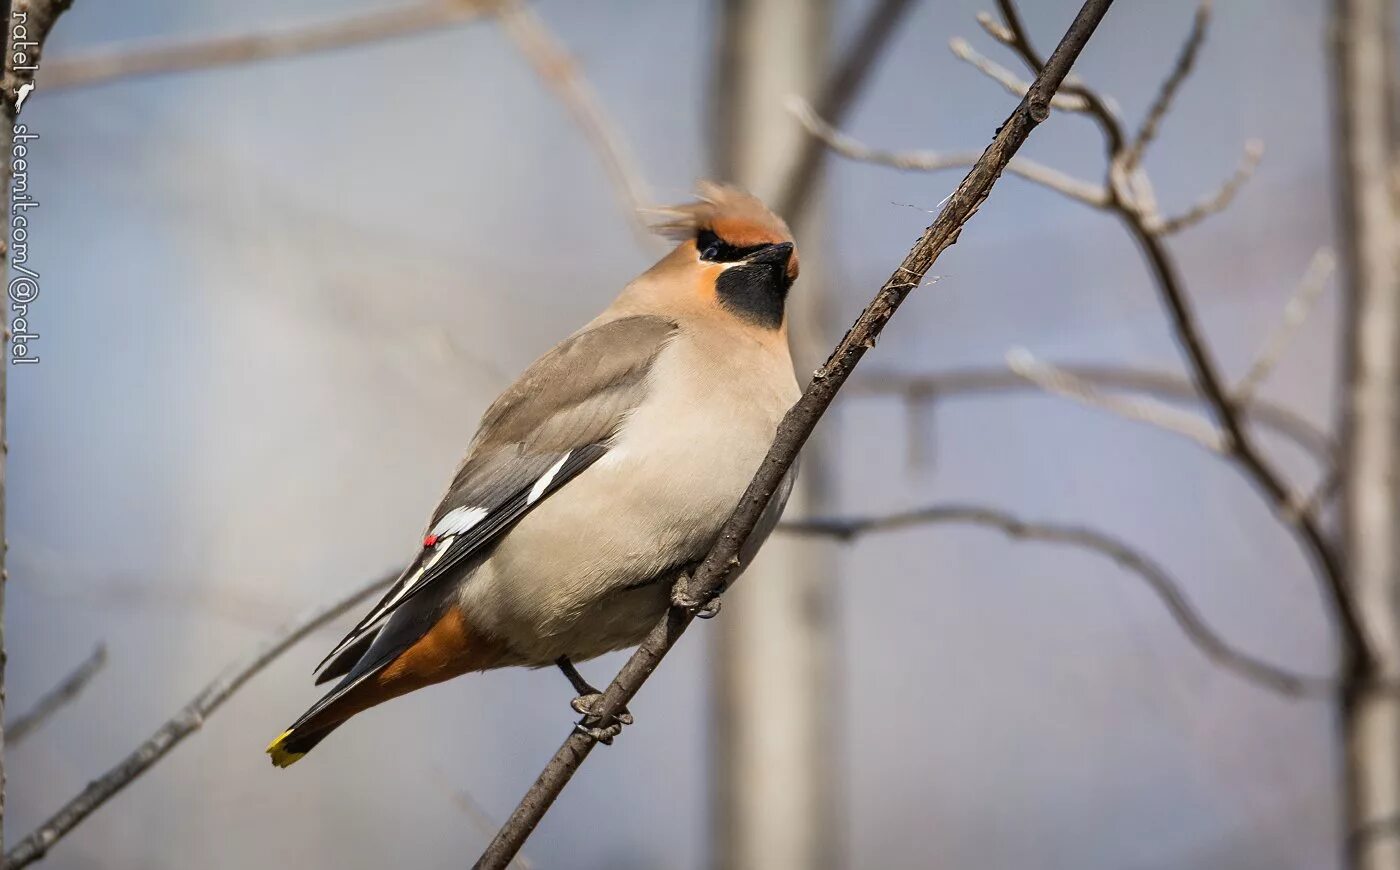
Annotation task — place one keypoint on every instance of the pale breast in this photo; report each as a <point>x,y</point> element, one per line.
<point>554,585</point>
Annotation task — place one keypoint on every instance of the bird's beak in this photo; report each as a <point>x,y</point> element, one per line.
<point>771,255</point>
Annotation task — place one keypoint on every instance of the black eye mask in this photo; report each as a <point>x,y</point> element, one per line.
<point>717,250</point>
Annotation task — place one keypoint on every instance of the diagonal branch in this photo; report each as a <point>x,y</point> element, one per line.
<point>1162,584</point>
<point>58,697</point>
<point>177,56</point>
<point>714,572</point>
<point>184,723</point>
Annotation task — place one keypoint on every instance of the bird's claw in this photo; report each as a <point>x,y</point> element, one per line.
<point>602,735</point>
<point>591,707</point>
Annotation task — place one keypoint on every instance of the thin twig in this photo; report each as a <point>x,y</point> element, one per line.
<point>559,72</point>
<point>1139,408</point>
<point>1166,588</point>
<point>1185,61</point>
<point>1299,305</point>
<point>925,388</point>
<point>178,727</point>
<point>999,31</point>
<point>184,55</point>
<point>836,98</point>
<point>1018,39</point>
<point>1012,83</point>
<point>67,691</point>
<point>925,161</point>
<point>713,573</point>
<point>1215,202</point>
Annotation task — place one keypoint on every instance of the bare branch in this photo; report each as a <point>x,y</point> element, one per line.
<point>1162,385</point>
<point>1185,61</point>
<point>1130,199</point>
<point>1016,37</point>
<point>1166,588</point>
<point>176,56</point>
<point>1216,202</point>
<point>178,727</point>
<point>998,31</point>
<point>1141,409</point>
<point>58,697</point>
<point>560,73</point>
<point>925,161</point>
<point>1315,279</point>
<point>709,579</point>
<point>1013,84</point>
<point>836,98</point>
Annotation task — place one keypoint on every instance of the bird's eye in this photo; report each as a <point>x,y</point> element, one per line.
<point>709,245</point>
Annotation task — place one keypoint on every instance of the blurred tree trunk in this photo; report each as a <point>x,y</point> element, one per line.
<point>1369,241</point>
<point>774,700</point>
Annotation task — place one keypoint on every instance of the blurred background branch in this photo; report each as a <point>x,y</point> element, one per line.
<point>66,692</point>
<point>1163,585</point>
<point>973,382</point>
<point>191,55</point>
<point>1131,200</point>
<point>560,74</point>
<point>37,843</point>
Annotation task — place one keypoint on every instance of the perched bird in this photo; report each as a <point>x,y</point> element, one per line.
<point>595,481</point>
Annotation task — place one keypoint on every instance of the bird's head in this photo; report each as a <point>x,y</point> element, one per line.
<point>733,253</point>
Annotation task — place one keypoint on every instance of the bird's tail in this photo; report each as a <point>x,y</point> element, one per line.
<point>293,743</point>
<point>397,662</point>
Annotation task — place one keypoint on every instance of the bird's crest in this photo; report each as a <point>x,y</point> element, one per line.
<point>735,215</point>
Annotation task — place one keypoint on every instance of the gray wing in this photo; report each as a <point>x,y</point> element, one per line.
<point>550,425</point>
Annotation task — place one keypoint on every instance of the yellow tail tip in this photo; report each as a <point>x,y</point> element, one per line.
<point>280,756</point>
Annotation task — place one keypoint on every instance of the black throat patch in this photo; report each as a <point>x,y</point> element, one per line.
<point>756,292</point>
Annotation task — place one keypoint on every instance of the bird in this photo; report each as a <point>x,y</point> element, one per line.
<point>596,481</point>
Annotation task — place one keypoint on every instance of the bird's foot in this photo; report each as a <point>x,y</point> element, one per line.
<point>594,724</point>
<point>681,597</point>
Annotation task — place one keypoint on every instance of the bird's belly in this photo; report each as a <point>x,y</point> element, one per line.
<point>589,573</point>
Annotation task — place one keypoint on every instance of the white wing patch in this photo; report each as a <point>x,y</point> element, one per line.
<point>462,521</point>
<point>543,483</point>
<point>457,521</point>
